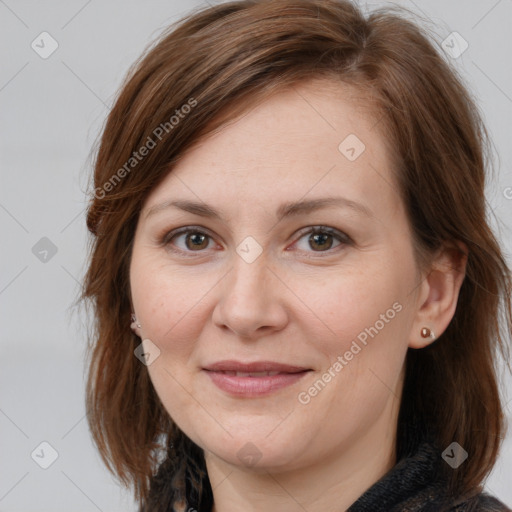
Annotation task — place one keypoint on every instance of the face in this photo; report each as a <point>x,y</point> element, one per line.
<point>279,324</point>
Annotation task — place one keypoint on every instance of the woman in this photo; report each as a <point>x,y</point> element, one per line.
<point>295,288</point>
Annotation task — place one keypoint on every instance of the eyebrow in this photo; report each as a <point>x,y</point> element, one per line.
<point>289,209</point>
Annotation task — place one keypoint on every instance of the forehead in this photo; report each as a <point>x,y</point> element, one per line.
<point>316,137</point>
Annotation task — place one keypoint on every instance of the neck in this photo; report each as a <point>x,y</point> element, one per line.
<point>333,483</point>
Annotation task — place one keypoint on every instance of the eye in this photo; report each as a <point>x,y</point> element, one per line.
<point>321,238</point>
<point>194,240</point>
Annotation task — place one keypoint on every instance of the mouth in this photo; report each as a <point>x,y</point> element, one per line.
<point>253,379</point>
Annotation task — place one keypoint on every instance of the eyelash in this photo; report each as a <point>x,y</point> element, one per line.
<point>165,240</point>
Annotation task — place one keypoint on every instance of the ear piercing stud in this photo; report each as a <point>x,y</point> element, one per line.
<point>427,333</point>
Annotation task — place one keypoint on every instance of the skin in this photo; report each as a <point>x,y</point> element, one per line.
<point>300,302</point>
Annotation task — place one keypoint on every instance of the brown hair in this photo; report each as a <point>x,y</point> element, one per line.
<point>223,59</point>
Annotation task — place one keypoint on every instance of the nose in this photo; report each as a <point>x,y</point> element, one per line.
<point>251,300</point>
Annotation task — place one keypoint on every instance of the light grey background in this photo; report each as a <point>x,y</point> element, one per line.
<point>51,113</point>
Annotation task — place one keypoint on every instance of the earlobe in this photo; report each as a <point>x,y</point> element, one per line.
<point>439,295</point>
<point>135,325</point>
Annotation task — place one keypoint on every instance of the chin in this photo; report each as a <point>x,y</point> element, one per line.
<point>256,452</point>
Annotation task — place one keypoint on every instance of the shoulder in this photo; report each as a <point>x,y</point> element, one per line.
<point>481,502</point>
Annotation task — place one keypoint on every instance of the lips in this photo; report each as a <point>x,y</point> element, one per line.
<point>253,379</point>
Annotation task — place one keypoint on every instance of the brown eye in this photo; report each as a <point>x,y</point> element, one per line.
<point>321,239</point>
<point>187,240</point>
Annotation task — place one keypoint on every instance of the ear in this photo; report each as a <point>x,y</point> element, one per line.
<point>439,293</point>
<point>135,326</point>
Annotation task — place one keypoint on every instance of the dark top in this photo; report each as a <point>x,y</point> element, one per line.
<point>412,485</point>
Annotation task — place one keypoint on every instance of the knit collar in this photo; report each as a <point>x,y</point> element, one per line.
<point>409,485</point>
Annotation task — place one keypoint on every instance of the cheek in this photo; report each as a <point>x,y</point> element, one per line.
<point>167,303</point>
<point>360,304</point>
<point>165,306</point>
<point>171,304</point>
<point>365,321</point>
